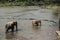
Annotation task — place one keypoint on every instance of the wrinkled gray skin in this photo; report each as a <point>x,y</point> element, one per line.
<point>14,24</point>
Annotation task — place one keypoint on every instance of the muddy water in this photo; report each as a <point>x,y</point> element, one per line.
<point>25,29</point>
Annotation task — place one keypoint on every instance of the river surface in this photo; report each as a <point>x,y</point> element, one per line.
<point>25,29</point>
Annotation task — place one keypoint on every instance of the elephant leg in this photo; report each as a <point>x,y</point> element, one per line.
<point>40,23</point>
<point>12,29</point>
<point>37,24</point>
<point>16,28</point>
<point>7,29</point>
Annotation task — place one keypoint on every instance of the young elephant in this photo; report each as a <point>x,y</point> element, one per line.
<point>11,25</point>
<point>36,22</point>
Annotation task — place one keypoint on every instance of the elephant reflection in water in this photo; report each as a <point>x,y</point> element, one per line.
<point>10,36</point>
<point>11,25</point>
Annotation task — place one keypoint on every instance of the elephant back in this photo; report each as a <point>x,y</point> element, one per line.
<point>9,23</point>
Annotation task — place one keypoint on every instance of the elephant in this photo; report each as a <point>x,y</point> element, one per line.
<point>36,22</point>
<point>11,25</point>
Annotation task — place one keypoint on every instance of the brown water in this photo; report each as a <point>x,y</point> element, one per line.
<point>25,29</point>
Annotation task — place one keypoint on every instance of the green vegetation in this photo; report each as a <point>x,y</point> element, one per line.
<point>16,4</point>
<point>53,6</point>
<point>29,2</point>
<point>50,4</point>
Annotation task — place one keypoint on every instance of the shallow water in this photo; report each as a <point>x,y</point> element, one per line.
<point>25,29</point>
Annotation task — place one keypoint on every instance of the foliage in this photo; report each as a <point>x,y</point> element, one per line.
<point>28,2</point>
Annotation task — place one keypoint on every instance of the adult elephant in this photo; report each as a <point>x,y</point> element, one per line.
<point>11,25</point>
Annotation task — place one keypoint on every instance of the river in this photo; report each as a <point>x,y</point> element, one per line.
<point>25,29</point>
